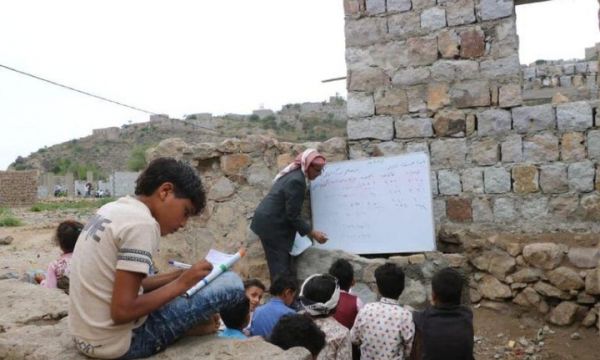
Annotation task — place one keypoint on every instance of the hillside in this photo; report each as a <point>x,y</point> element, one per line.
<point>120,149</point>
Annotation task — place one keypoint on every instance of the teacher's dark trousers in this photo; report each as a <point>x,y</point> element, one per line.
<point>279,260</point>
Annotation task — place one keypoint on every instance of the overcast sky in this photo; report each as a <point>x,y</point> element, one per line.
<point>183,57</point>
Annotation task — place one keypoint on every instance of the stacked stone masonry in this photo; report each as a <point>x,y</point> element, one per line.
<point>444,77</point>
<point>18,188</point>
<point>573,80</point>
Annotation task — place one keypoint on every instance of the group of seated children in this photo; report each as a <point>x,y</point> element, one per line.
<point>379,330</point>
<point>120,308</point>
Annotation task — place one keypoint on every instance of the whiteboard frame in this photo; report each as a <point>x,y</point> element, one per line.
<point>429,244</point>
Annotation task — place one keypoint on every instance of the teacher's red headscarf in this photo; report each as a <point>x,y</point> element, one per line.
<point>303,161</point>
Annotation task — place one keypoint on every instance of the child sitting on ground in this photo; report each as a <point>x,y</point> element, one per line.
<point>298,330</point>
<point>384,329</point>
<point>445,330</point>
<point>254,290</point>
<point>266,316</point>
<point>349,304</point>
<point>319,297</point>
<point>236,317</point>
<point>115,309</point>
<point>57,275</point>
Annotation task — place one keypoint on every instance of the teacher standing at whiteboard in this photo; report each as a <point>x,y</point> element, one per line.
<point>277,217</point>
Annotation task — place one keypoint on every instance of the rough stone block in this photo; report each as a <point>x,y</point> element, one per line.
<point>353,7</point>
<point>590,204</point>
<point>533,118</point>
<point>452,70</point>
<point>365,31</point>
<point>470,94</point>
<point>374,7</point>
<point>564,206</point>
<point>593,144</point>
<point>482,210</point>
<point>448,152</point>
<point>388,148</point>
<point>433,18</point>
<point>581,176</point>
<point>422,4</point>
<point>471,123</point>
<point>493,122</point>
<point>460,12</point>
<point>512,149</point>
<point>417,147</point>
<point>575,116</point>
<point>411,76</point>
<point>541,148</point>
<point>459,209</point>
<point>553,178</point>
<point>495,9</point>
<point>449,123</point>
<point>367,79</point>
<point>534,209</point>
<point>484,152</point>
<point>437,96</point>
<point>439,210</point>
<point>360,104</point>
<point>381,127</point>
<point>565,81</point>
<point>472,180</point>
<point>392,101</point>
<point>434,183</point>
<point>472,43</point>
<point>545,256</point>
<point>404,24</point>
<point>503,67</point>
<point>572,147</point>
<point>504,209</point>
<point>417,96</point>
<point>422,50</point>
<point>525,179</point>
<point>233,164</point>
<point>581,67</point>
<point>449,182</point>
<point>448,42</point>
<point>496,180</point>
<point>398,5</point>
<point>510,95</point>
<point>408,127</point>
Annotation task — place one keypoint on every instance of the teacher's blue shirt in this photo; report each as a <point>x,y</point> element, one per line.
<point>266,316</point>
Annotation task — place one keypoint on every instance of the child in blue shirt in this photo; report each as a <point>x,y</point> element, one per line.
<point>266,316</point>
<point>235,316</point>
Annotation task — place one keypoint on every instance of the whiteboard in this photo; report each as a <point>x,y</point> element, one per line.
<point>375,206</point>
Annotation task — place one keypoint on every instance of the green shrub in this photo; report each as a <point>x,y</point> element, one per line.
<point>137,158</point>
<point>8,219</point>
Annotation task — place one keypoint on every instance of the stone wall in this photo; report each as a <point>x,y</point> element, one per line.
<point>18,188</point>
<point>237,174</point>
<point>573,80</point>
<point>443,77</point>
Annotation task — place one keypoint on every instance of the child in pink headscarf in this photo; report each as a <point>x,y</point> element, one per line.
<point>277,218</point>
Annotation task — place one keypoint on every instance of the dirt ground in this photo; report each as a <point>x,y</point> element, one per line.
<point>504,332</point>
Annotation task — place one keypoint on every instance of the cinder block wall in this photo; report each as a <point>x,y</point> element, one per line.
<point>18,188</point>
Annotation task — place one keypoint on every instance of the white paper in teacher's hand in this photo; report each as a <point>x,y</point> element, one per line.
<point>301,243</point>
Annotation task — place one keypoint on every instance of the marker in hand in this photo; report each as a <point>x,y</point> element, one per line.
<point>217,270</point>
<point>179,265</point>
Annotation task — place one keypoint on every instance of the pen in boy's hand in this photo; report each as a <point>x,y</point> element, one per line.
<point>179,265</point>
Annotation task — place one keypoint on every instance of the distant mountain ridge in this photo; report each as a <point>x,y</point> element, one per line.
<point>121,148</point>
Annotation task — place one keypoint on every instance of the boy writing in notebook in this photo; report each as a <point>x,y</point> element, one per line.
<point>116,310</point>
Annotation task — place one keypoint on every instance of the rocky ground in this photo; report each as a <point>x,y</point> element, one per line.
<point>502,330</point>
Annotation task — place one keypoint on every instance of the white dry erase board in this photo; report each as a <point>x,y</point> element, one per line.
<point>375,206</point>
